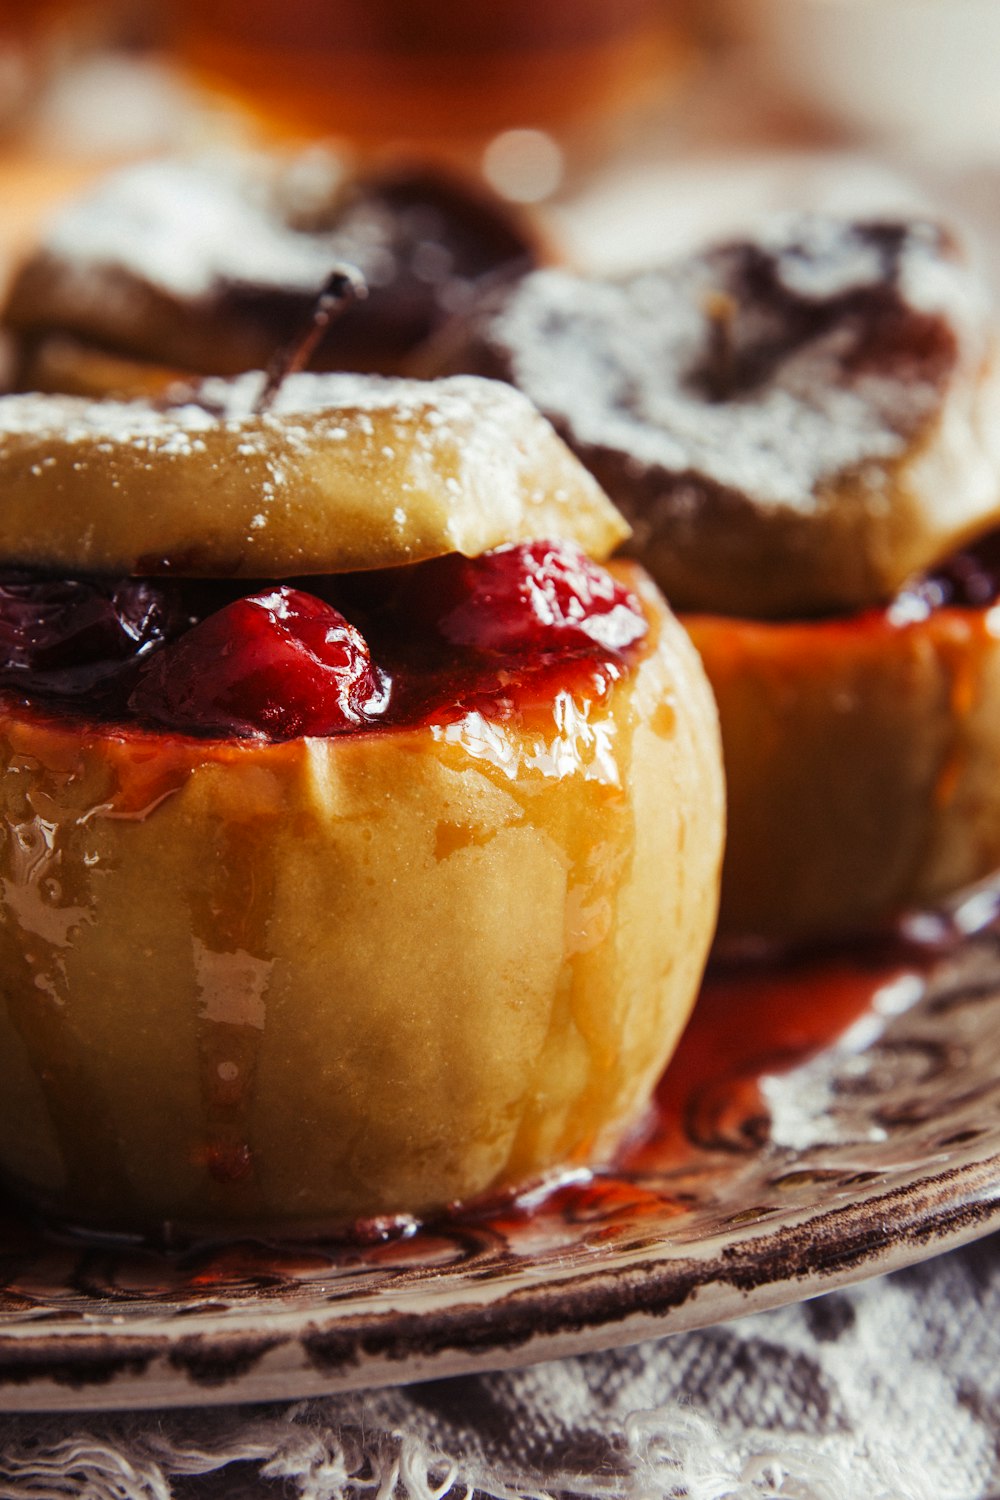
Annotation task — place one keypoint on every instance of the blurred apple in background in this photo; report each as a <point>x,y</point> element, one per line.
<point>39,39</point>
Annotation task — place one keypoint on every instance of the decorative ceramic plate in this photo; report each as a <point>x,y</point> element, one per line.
<point>823,1121</point>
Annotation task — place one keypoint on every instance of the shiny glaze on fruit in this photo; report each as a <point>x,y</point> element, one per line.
<point>161,662</point>
<point>861,753</point>
<point>210,658</point>
<point>180,909</point>
<point>757,1019</point>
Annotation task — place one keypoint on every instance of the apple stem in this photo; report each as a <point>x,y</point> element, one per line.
<point>342,287</point>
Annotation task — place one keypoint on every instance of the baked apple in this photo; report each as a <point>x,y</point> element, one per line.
<point>332,895</point>
<point>206,265</point>
<point>799,426</point>
<point>861,754</point>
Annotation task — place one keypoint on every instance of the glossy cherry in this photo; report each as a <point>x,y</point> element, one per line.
<point>69,634</point>
<point>280,663</point>
<point>196,657</point>
<point>544,597</point>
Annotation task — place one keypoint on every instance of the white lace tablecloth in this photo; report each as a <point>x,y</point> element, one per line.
<point>887,1391</point>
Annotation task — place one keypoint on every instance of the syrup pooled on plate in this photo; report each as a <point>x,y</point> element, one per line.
<point>670,1242</point>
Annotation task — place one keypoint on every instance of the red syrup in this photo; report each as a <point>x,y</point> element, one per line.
<point>757,1018</point>
<point>754,1018</point>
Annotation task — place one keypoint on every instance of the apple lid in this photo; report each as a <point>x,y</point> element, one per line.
<point>341,473</point>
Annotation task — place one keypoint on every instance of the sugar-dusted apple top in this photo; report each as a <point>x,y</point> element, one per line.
<point>342,473</point>
<point>207,264</point>
<point>793,424</point>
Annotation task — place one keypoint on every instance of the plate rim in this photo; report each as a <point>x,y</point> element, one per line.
<point>265,1352</point>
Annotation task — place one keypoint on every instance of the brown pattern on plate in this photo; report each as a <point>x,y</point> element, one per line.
<point>824,1120</point>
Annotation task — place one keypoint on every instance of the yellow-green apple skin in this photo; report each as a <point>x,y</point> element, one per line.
<point>287,985</point>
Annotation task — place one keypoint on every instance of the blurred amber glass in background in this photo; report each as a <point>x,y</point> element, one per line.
<point>379,70</point>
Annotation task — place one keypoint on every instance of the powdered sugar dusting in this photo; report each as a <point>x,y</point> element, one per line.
<point>341,471</point>
<point>471,441</point>
<point>767,368</point>
<point>212,263</point>
<point>186,227</point>
<point>446,408</point>
<point>108,425</point>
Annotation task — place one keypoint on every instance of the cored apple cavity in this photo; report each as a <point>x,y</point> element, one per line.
<point>323,656</point>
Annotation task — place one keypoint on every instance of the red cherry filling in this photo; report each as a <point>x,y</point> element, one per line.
<point>195,658</point>
<point>70,635</point>
<point>528,597</point>
<point>282,663</point>
<point>539,597</point>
